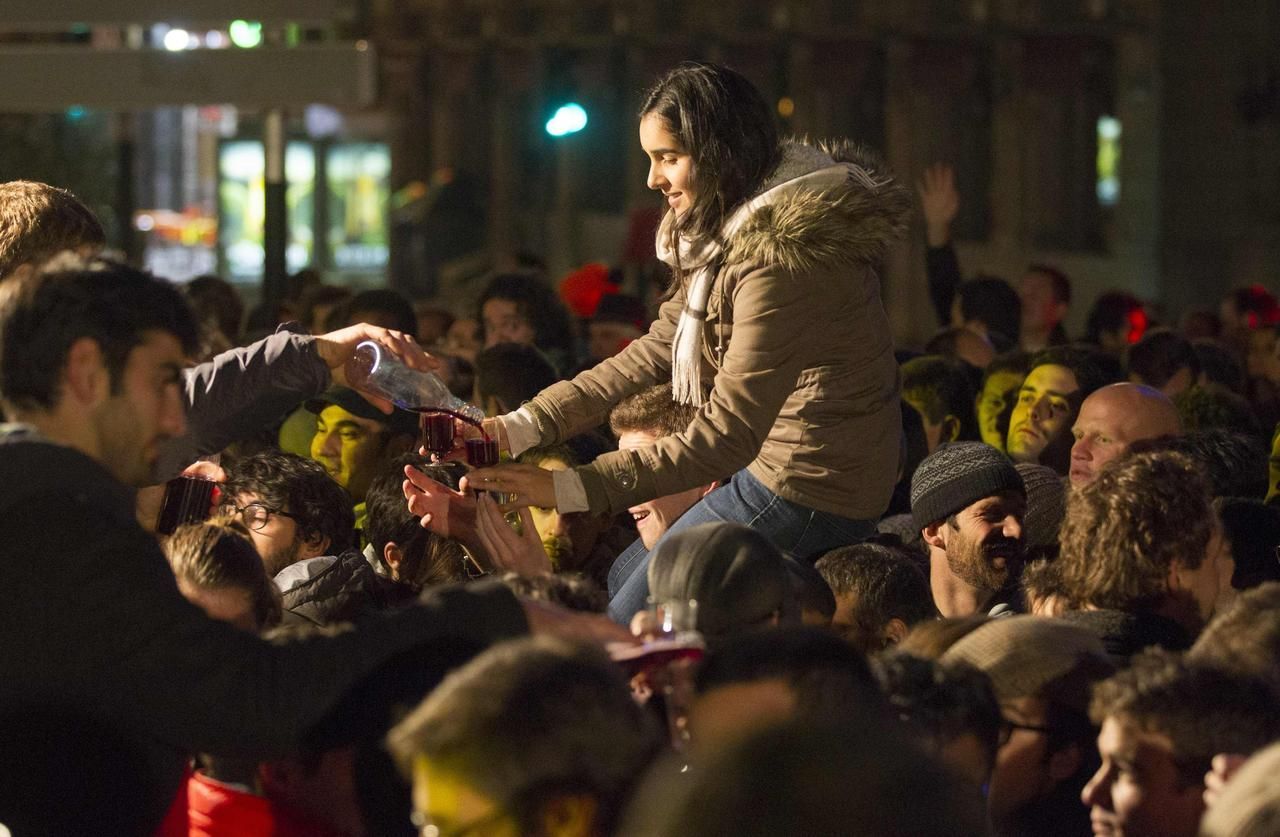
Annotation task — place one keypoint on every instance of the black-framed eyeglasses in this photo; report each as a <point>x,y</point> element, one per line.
<point>255,515</point>
<point>1007,728</point>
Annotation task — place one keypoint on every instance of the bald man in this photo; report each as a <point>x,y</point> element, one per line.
<point>1113,418</point>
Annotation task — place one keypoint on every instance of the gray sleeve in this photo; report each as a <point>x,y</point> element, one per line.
<point>240,392</point>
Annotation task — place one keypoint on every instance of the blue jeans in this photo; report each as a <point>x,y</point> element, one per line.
<point>797,530</point>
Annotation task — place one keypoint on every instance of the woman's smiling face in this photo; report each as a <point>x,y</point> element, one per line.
<point>670,164</point>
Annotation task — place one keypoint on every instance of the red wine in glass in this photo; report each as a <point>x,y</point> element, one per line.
<point>481,453</point>
<point>437,433</point>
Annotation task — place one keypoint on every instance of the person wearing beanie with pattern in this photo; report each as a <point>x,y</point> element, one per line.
<point>969,502</point>
<point>1046,506</point>
<point>1042,671</point>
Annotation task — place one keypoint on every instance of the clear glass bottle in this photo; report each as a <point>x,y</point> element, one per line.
<point>378,372</point>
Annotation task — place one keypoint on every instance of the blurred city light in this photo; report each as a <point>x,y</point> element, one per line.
<point>568,119</point>
<point>245,34</point>
<point>176,40</point>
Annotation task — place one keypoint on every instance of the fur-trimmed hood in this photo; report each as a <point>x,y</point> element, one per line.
<point>853,223</point>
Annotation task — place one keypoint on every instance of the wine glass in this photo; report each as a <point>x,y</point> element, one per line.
<point>437,432</point>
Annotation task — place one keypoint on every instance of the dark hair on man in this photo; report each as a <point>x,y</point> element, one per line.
<point>1256,306</point>
<point>1203,710</point>
<point>1211,408</point>
<point>530,719</point>
<point>1253,530</point>
<point>1125,531</point>
<point>1235,463</point>
<point>330,297</point>
<point>537,304</point>
<point>513,373</point>
<point>993,301</point>
<point>1042,585</point>
<point>215,300</point>
<point>1245,638</point>
<point>1059,281</point>
<point>810,589</point>
<point>721,120</point>
<point>1092,369</point>
<point>940,702</point>
<point>798,777</point>
<point>1116,311</point>
<point>1161,354</point>
<point>391,309</point>
<point>427,559</point>
<point>1012,361</point>
<point>942,387</point>
<point>301,487</point>
<point>886,584</point>
<point>654,410</point>
<point>571,591</point>
<point>38,221</point>
<point>829,679</point>
<point>43,313</point>
<point>946,343</point>
<point>1219,364</point>
<point>217,554</point>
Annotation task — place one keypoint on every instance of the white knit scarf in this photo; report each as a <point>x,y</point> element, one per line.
<point>803,167</point>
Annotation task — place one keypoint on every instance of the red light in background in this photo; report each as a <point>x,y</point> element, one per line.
<point>1137,325</point>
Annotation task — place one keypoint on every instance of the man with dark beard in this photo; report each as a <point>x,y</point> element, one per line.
<point>969,502</point>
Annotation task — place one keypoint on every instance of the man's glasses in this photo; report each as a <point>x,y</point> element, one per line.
<point>1007,728</point>
<point>255,515</point>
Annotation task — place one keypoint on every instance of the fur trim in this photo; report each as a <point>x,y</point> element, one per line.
<point>845,225</point>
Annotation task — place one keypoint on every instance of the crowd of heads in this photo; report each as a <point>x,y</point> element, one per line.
<point>1068,621</point>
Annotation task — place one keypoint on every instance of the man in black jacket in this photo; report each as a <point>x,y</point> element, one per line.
<point>91,620</point>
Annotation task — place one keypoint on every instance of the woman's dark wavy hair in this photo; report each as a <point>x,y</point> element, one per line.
<point>723,122</point>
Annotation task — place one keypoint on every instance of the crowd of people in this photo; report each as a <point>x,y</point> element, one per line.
<point>744,568</point>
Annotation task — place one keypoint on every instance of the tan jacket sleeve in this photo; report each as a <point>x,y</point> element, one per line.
<point>570,407</point>
<point>771,309</point>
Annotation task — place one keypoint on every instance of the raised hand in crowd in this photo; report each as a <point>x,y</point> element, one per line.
<point>939,201</point>
<point>510,551</point>
<point>448,513</point>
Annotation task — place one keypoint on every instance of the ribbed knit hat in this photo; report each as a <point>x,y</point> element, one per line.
<point>958,475</point>
<point>1024,655</point>
<point>1046,504</point>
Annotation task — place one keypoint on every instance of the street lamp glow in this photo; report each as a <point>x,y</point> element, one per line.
<point>245,34</point>
<point>568,119</point>
<point>176,40</point>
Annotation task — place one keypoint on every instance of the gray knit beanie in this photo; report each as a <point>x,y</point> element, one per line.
<point>1046,504</point>
<point>958,475</point>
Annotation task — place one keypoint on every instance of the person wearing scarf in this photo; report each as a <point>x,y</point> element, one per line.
<point>774,328</point>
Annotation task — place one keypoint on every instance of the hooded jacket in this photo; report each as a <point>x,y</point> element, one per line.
<point>797,341</point>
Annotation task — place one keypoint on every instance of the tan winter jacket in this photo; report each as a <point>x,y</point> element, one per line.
<point>805,384</point>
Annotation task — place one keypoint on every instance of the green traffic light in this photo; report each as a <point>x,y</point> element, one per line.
<point>245,34</point>
<point>568,119</point>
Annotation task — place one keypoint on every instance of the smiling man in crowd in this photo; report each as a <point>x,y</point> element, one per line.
<point>969,502</point>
